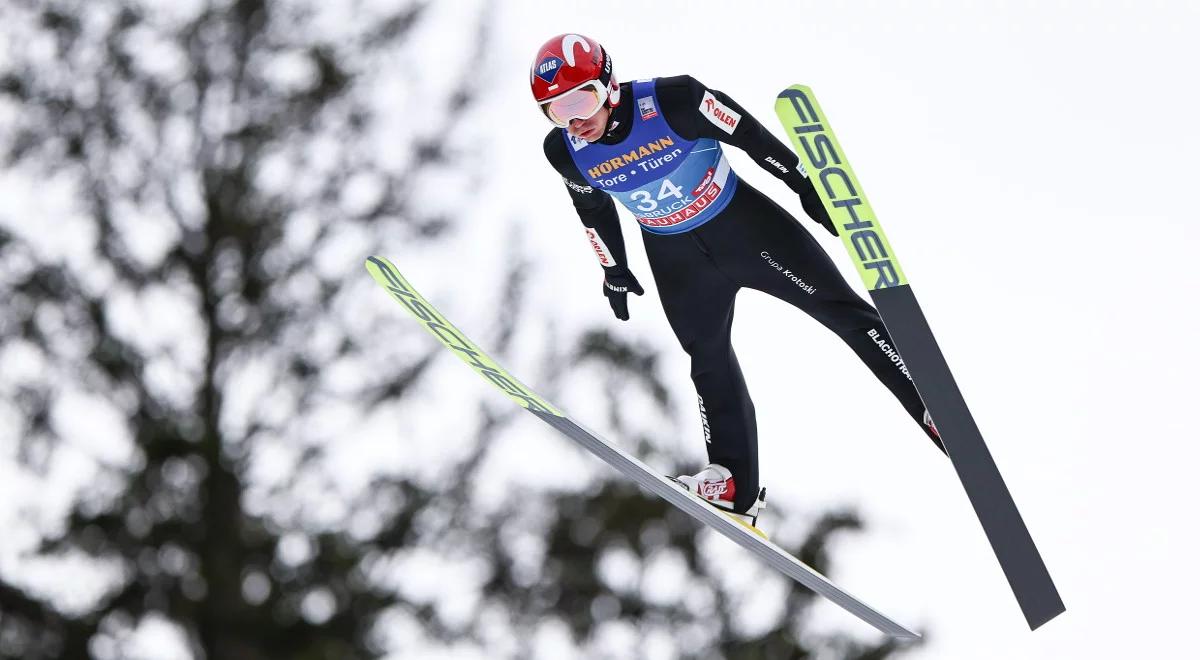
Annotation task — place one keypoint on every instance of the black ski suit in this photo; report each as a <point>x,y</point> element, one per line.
<point>751,242</point>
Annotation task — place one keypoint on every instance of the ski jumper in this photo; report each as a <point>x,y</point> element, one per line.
<point>708,235</point>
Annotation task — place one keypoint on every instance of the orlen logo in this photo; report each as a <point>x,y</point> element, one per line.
<point>599,247</point>
<point>718,113</point>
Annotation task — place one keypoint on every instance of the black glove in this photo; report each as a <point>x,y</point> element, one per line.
<point>811,202</point>
<point>617,285</point>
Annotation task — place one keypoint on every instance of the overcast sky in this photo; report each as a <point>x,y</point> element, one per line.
<point>1033,164</point>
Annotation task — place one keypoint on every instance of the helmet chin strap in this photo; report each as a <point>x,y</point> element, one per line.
<point>614,99</point>
<point>614,87</point>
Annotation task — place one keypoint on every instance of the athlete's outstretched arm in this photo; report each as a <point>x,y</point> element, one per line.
<point>595,208</point>
<point>599,216</point>
<point>695,111</point>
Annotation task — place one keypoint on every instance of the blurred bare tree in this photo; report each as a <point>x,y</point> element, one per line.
<point>226,156</point>
<point>194,331</point>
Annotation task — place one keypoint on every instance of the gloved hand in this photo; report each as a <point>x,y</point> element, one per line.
<point>816,210</point>
<point>828,225</point>
<point>618,283</point>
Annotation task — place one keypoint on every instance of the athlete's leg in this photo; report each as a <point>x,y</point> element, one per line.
<point>775,254</point>
<point>698,300</point>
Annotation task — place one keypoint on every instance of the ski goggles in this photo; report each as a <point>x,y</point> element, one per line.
<point>580,103</point>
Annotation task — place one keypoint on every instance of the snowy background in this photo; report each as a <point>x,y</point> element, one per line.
<point>1032,164</point>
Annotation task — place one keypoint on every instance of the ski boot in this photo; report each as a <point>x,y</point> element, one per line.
<point>714,485</point>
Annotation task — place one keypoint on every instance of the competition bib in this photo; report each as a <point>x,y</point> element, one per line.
<point>670,184</point>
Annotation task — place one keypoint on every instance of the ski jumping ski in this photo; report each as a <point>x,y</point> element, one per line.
<point>839,189</point>
<point>394,283</point>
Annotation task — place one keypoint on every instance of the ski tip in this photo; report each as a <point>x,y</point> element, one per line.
<point>379,267</point>
<point>796,87</point>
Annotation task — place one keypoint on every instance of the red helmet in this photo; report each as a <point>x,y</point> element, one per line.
<point>571,78</point>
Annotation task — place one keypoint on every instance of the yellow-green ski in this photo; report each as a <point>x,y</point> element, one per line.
<point>736,530</point>
<point>842,195</point>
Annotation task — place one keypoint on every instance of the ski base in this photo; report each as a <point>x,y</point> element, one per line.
<point>858,227</point>
<point>737,531</point>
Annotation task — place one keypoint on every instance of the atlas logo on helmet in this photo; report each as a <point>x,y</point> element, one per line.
<point>548,68</point>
